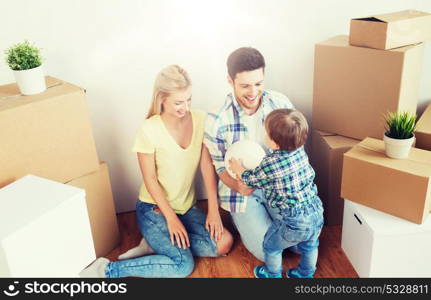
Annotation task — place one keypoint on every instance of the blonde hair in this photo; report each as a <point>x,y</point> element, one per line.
<point>173,78</point>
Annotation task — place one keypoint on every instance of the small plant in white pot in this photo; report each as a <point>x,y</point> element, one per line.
<point>25,61</point>
<point>399,136</point>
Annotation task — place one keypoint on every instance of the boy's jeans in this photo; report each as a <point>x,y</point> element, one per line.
<point>169,260</point>
<point>297,226</point>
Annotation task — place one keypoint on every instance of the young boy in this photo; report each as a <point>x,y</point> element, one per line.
<point>286,177</point>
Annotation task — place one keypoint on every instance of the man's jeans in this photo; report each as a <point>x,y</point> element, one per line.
<point>169,260</point>
<point>253,224</point>
<point>300,227</point>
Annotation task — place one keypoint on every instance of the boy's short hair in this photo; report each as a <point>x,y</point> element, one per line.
<point>288,128</point>
<point>244,59</point>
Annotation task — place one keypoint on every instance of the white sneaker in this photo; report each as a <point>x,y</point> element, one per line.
<point>142,249</point>
<point>96,269</point>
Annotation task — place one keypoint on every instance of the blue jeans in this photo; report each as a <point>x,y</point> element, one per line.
<point>254,223</point>
<point>169,260</point>
<point>298,227</point>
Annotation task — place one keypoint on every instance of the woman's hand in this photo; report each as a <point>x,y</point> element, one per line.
<point>178,232</point>
<point>176,229</point>
<point>214,225</point>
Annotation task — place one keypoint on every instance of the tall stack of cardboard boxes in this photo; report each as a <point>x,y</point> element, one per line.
<point>49,135</point>
<point>357,80</point>
<point>423,130</point>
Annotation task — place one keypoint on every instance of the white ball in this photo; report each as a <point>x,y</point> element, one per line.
<point>250,152</point>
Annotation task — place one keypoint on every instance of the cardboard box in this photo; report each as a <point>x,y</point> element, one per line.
<point>327,160</point>
<point>355,87</point>
<point>44,229</point>
<point>392,30</point>
<point>423,130</point>
<point>381,245</point>
<point>400,187</point>
<point>101,210</point>
<point>48,134</point>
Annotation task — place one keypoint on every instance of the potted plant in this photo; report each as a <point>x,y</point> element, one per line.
<point>25,61</point>
<point>399,136</point>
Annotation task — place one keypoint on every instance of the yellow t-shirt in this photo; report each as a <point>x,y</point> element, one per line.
<point>176,167</point>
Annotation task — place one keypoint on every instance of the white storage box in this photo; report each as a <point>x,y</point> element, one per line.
<point>381,245</point>
<point>44,229</point>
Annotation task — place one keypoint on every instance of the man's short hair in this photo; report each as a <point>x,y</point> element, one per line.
<point>288,128</point>
<point>244,59</point>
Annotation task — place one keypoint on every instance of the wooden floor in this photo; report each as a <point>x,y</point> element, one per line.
<point>239,263</point>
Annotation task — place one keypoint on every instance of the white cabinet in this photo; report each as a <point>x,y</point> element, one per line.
<point>44,229</point>
<point>381,245</point>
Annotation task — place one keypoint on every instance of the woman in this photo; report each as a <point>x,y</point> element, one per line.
<point>170,148</point>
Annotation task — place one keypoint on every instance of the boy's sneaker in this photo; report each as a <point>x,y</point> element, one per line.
<point>294,273</point>
<point>261,272</point>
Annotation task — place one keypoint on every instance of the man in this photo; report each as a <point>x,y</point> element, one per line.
<point>242,117</point>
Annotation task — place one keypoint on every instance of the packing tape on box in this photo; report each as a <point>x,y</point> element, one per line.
<point>19,95</point>
<point>383,152</point>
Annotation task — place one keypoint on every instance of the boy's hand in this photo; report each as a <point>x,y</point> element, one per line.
<point>243,189</point>
<point>236,167</point>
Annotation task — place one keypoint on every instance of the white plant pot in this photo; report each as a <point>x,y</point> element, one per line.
<point>30,81</point>
<point>396,148</point>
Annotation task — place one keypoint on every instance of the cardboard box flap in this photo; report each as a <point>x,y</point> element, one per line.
<point>401,16</point>
<point>343,41</point>
<point>13,90</point>
<point>424,123</point>
<point>369,19</point>
<point>339,40</point>
<point>394,17</point>
<point>373,151</point>
<point>10,95</point>
<point>335,141</point>
<point>340,141</point>
<point>386,224</point>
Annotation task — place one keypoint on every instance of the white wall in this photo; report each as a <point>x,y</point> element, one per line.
<point>114,49</point>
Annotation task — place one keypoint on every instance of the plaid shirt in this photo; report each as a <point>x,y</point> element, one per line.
<point>286,178</point>
<point>226,127</point>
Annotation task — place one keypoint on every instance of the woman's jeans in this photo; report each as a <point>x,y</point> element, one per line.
<point>169,260</point>
<point>298,227</point>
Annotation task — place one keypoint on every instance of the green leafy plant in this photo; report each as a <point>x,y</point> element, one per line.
<point>400,125</point>
<point>23,56</point>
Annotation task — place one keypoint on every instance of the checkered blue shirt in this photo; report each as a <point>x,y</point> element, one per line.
<point>286,178</point>
<point>226,127</point>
